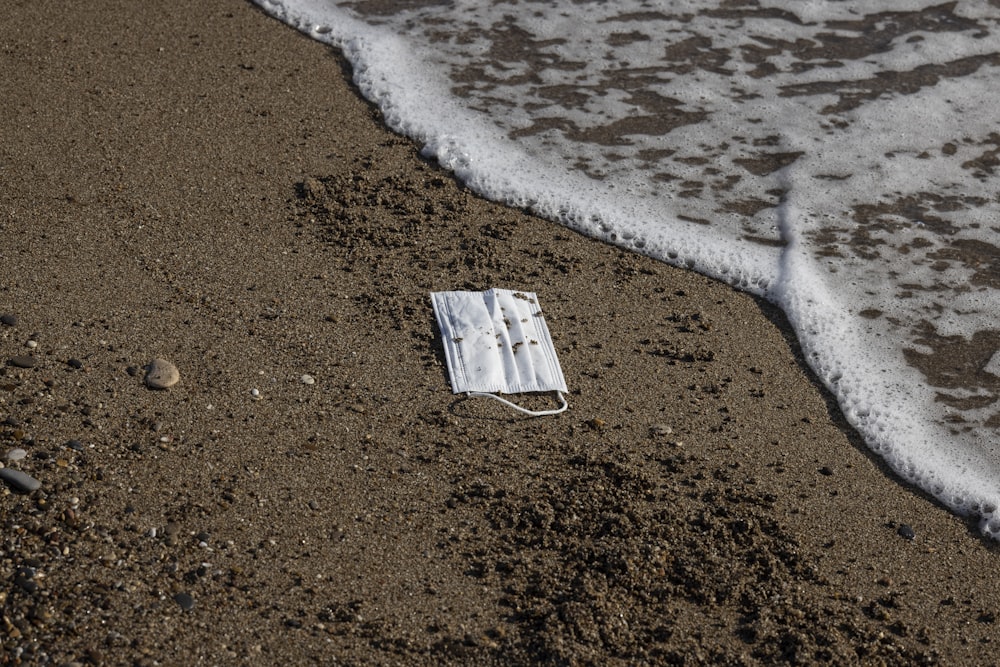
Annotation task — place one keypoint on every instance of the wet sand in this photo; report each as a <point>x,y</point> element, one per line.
<point>196,182</point>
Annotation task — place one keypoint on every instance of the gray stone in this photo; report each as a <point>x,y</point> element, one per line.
<point>161,374</point>
<point>16,454</point>
<point>185,601</point>
<point>23,361</point>
<point>19,481</point>
<point>9,320</point>
<point>660,429</point>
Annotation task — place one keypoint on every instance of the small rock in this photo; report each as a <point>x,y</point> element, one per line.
<point>307,379</point>
<point>16,454</point>
<point>25,584</point>
<point>75,445</point>
<point>19,481</point>
<point>255,392</point>
<point>660,429</point>
<point>8,320</point>
<point>906,532</point>
<point>161,374</point>
<point>31,344</point>
<point>75,363</point>
<point>185,601</point>
<point>23,361</point>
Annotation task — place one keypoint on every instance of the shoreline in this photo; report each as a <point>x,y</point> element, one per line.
<point>213,192</point>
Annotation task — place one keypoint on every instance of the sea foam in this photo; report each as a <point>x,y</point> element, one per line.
<point>835,158</point>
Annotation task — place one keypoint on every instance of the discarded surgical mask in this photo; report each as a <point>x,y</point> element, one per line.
<point>497,342</point>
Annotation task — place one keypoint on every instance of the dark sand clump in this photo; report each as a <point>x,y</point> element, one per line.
<point>197,183</point>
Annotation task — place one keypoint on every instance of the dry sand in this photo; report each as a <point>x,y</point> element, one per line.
<point>194,181</point>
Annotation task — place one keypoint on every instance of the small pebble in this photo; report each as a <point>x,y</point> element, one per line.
<point>307,379</point>
<point>906,532</point>
<point>660,429</point>
<point>8,320</point>
<point>19,481</point>
<point>75,363</point>
<point>16,454</point>
<point>185,601</point>
<point>31,344</point>
<point>255,392</point>
<point>161,374</point>
<point>26,584</point>
<point>75,445</point>
<point>23,361</point>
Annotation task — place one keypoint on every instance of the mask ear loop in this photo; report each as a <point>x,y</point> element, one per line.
<point>531,413</point>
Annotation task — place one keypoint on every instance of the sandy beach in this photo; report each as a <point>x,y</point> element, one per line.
<point>196,182</point>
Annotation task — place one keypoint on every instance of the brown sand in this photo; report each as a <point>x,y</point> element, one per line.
<point>194,181</point>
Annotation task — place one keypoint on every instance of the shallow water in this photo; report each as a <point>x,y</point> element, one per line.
<point>835,157</point>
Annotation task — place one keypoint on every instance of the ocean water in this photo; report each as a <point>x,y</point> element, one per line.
<point>838,158</point>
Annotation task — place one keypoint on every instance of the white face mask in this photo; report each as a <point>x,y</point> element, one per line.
<point>497,341</point>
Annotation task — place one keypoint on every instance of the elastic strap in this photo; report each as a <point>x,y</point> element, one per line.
<point>539,413</point>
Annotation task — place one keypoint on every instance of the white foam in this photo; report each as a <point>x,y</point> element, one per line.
<point>877,148</point>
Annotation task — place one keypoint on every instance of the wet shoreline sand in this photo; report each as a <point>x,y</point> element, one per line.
<point>200,183</point>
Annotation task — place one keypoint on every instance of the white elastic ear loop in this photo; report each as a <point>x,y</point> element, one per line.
<point>532,413</point>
